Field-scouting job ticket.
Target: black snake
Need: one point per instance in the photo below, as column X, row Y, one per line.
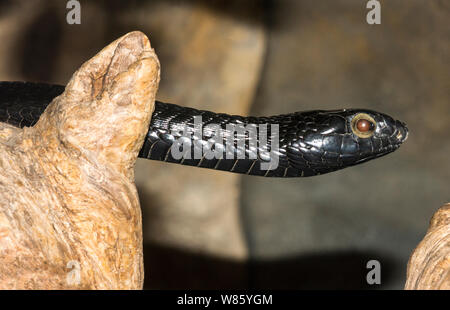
column 309, row 143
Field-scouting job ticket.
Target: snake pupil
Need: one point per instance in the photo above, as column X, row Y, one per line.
column 364, row 125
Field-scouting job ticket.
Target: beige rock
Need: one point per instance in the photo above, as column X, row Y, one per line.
column 429, row 265
column 69, row 208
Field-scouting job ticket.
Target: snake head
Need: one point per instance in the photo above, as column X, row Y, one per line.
column 343, row 138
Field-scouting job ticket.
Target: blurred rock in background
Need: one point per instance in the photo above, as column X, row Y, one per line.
column 323, row 55
column 207, row 229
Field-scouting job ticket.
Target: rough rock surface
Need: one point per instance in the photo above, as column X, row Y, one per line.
column 429, row 265
column 68, row 202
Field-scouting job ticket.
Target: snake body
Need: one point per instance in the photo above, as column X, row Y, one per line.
column 309, row 143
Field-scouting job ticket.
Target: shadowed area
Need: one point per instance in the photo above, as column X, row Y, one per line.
column 170, row 268
column 37, row 58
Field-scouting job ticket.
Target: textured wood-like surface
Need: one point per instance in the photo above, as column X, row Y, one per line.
column 67, row 190
column 429, row 265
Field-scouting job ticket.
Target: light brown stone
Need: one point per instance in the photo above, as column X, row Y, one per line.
column 429, row 265
column 67, row 193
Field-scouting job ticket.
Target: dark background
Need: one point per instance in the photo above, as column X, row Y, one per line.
column 269, row 57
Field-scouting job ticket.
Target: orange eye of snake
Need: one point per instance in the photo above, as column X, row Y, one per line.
column 364, row 125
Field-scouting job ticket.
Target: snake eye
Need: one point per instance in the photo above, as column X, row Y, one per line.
column 363, row 125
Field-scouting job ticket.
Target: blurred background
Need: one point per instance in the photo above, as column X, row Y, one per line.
column 205, row 229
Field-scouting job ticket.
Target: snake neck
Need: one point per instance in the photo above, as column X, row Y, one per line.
column 262, row 146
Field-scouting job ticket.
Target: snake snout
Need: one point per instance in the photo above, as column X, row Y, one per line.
column 402, row 131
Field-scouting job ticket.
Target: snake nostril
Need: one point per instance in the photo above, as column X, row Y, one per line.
column 402, row 133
